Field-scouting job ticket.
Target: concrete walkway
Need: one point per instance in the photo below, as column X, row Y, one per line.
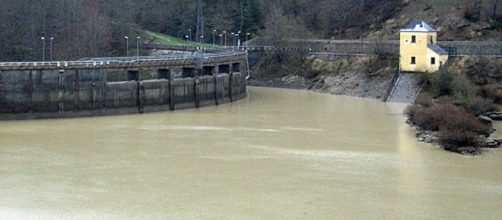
column 406, row 88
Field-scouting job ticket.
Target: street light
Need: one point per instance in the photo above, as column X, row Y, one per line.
column 43, row 48
column 127, row 45
column 201, row 41
column 52, row 40
column 186, row 37
column 190, row 34
column 233, row 38
column 137, row 45
column 225, row 36
column 221, row 39
column 214, row 37
column 238, row 39
column 247, row 38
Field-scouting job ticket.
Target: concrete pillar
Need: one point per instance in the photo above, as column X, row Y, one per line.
column 216, row 86
column 32, row 90
column 77, row 90
column 171, row 95
column 197, row 92
column 61, row 88
column 231, row 84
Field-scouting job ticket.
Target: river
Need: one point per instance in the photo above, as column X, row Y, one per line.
column 278, row 154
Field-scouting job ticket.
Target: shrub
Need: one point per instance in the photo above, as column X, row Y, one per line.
column 453, row 139
column 424, row 99
column 472, row 10
column 482, row 69
column 479, row 106
column 460, row 120
column 429, row 118
column 449, row 83
column 445, row 117
column 492, row 92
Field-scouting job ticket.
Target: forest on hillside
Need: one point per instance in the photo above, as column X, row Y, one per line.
column 79, row 28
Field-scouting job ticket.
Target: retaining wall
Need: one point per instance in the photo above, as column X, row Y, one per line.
column 70, row 92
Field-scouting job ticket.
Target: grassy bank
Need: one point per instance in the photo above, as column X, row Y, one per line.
column 170, row 40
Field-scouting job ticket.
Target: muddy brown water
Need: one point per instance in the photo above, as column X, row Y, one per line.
column 279, row 154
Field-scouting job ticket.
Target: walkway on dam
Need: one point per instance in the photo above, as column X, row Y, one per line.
column 406, row 88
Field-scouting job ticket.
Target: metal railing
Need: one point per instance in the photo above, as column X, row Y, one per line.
column 94, row 62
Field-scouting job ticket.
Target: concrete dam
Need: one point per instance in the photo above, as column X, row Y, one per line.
column 121, row 85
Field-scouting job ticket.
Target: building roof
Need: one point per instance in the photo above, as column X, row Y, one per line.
column 436, row 48
column 418, row 26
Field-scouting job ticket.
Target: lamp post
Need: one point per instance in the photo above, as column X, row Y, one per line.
column 127, row 45
column 221, row 39
column 137, row 45
column 225, row 36
column 201, row 42
column 52, row 40
column 233, row 38
column 214, row 37
column 247, row 38
column 190, row 34
column 43, row 48
column 238, row 41
column 186, row 37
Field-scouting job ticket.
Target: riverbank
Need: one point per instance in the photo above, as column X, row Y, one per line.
column 458, row 106
column 358, row 77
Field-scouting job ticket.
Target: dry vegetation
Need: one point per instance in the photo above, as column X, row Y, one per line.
column 452, row 101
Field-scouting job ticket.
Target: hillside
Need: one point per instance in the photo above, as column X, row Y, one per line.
column 447, row 16
column 97, row 28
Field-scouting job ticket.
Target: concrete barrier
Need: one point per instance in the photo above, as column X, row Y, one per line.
column 70, row 92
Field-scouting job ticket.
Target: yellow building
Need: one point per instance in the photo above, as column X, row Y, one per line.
column 419, row 51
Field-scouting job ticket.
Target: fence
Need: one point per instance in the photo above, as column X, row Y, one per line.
column 368, row 47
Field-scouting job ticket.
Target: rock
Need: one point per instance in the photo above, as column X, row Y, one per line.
column 495, row 116
column 468, row 151
column 462, row 24
column 492, row 143
column 485, row 119
column 426, row 136
column 390, row 21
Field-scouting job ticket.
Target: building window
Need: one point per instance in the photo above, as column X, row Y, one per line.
column 433, row 60
column 413, row 60
column 413, row 39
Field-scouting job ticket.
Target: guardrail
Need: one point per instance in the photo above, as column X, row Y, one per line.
column 368, row 47
column 111, row 62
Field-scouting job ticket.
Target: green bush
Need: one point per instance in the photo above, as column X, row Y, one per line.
column 449, row 83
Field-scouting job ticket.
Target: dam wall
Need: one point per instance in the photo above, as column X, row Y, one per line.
column 58, row 90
